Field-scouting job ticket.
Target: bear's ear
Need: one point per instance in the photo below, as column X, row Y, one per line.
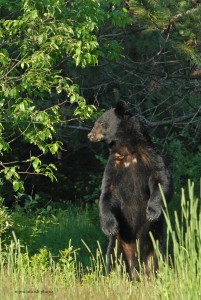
column 120, row 108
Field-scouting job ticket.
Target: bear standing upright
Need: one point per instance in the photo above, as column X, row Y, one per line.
column 131, row 202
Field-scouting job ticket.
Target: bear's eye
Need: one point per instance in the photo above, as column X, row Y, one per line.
column 104, row 125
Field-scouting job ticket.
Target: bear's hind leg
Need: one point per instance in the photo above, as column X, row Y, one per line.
column 131, row 258
column 124, row 255
column 113, row 254
column 151, row 263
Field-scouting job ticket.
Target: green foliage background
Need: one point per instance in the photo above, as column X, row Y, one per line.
column 64, row 62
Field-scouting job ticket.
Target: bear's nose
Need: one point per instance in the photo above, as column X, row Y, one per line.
column 90, row 136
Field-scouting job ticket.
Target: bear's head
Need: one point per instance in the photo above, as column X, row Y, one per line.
column 105, row 128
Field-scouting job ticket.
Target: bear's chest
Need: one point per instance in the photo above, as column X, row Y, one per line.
column 130, row 177
column 129, row 166
column 124, row 162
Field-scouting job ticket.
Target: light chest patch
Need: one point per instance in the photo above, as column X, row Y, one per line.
column 125, row 161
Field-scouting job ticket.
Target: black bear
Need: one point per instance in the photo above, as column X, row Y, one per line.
column 131, row 202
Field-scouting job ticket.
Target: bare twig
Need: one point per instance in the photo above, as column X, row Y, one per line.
column 173, row 121
column 79, row 127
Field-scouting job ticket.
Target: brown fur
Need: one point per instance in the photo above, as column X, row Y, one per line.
column 124, row 160
column 130, row 201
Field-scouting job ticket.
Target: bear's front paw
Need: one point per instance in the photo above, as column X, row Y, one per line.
column 109, row 225
column 153, row 212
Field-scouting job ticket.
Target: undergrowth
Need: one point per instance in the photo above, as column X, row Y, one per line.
column 67, row 275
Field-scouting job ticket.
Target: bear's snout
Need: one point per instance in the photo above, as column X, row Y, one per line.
column 94, row 136
column 91, row 136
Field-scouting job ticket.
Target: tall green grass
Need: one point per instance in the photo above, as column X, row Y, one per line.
column 75, row 224
column 39, row 276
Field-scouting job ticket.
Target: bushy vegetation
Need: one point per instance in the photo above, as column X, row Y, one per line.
column 69, row 264
column 61, row 64
column 60, row 61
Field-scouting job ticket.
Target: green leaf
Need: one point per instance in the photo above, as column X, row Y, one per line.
column 55, row 147
column 36, row 162
column 33, row 14
column 72, row 98
column 16, row 185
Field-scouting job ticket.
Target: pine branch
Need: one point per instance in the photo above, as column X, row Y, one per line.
column 133, row 65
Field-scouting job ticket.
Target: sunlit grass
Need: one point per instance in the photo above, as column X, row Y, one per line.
column 24, row 276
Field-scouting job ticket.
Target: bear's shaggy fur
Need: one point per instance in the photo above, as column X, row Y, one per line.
column 131, row 202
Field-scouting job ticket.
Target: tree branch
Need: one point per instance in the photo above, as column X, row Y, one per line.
column 155, row 124
column 173, row 121
column 79, row 127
